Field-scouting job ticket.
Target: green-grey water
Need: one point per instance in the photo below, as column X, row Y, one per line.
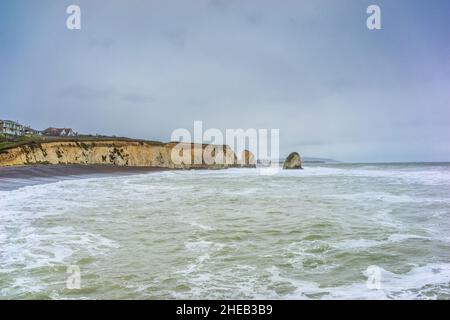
column 318, row 233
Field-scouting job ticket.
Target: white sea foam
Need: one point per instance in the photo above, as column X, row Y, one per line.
column 429, row 176
column 356, row 244
column 376, row 196
column 420, row 282
column 201, row 226
column 351, row 244
column 34, row 248
column 387, row 197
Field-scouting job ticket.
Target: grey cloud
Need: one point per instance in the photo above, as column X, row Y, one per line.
column 97, row 92
column 219, row 4
column 101, row 43
column 137, row 98
column 254, row 18
column 87, row 92
column 177, row 37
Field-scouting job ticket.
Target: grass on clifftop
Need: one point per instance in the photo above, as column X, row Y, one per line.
column 8, row 142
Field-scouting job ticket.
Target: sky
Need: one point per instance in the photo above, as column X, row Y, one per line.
column 310, row 68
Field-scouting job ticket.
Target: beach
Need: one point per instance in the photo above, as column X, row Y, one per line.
column 21, row 176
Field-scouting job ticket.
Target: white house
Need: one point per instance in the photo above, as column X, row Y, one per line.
column 11, row 128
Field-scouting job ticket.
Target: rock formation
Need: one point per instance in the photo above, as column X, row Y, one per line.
column 293, row 161
column 248, row 160
column 122, row 153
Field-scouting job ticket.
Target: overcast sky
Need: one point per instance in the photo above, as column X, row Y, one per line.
column 308, row 67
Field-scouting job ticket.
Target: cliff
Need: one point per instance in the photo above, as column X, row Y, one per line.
column 121, row 153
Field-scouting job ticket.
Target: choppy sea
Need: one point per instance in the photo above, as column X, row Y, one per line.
column 341, row 231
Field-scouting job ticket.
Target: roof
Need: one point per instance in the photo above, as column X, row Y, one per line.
column 10, row 121
column 56, row 131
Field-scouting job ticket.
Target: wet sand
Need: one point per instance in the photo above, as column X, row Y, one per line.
column 17, row 177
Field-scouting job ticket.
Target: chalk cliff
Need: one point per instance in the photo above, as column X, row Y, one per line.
column 120, row 153
column 248, row 159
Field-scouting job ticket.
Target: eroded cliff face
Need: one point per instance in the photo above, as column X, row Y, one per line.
column 248, row 159
column 120, row 153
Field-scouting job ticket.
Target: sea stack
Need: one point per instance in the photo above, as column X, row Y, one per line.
column 248, row 159
column 293, row 161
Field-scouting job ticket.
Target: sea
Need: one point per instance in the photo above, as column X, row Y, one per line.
column 330, row 231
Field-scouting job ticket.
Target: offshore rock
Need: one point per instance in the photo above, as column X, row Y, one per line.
column 293, row 161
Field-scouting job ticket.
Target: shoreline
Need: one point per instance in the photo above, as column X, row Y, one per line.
column 21, row 176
